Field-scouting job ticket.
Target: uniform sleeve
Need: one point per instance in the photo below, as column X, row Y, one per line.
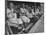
column 8, row 13
column 8, row 10
column 20, row 21
column 25, row 19
column 30, row 15
column 13, row 20
column 23, row 10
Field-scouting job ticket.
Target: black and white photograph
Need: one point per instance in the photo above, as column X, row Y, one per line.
column 23, row 17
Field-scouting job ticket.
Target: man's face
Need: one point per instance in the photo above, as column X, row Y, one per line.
column 11, row 5
column 23, row 5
